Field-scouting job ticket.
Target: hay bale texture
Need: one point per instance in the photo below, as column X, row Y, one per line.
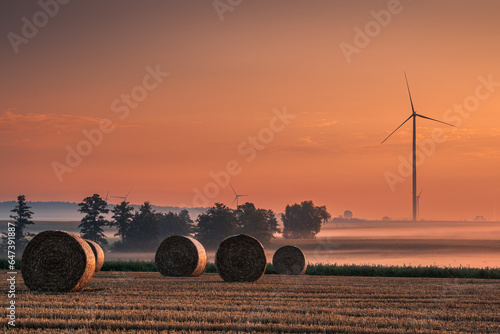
column 57, row 261
column 180, row 256
column 240, row 258
column 289, row 260
column 98, row 254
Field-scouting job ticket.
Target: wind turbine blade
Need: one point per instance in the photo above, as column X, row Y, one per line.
column 396, row 129
column 242, row 195
column 408, row 86
column 129, row 192
column 234, row 200
column 435, row 120
column 234, row 191
column 420, row 192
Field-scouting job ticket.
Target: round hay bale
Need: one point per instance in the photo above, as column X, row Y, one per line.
column 289, row 260
column 57, row 261
column 98, row 254
column 240, row 258
column 180, row 256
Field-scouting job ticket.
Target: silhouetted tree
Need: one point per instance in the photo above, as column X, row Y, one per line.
column 348, row 214
column 175, row 223
column 303, row 221
column 122, row 217
column 91, row 224
column 216, row 224
column 22, row 217
column 259, row 223
column 144, row 230
column 184, row 214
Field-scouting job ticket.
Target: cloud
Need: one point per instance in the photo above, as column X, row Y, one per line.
column 485, row 153
column 48, row 123
column 321, row 122
column 305, row 144
column 307, row 140
column 313, row 113
column 12, row 122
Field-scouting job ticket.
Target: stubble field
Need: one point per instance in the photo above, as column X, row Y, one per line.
column 149, row 303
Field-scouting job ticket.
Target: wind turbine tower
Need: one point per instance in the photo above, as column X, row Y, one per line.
column 414, row 115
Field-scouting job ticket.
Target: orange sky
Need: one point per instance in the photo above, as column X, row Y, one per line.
column 226, row 78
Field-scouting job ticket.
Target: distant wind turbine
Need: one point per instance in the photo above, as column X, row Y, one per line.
column 106, row 199
column 418, row 204
column 236, row 196
column 414, row 115
column 123, row 197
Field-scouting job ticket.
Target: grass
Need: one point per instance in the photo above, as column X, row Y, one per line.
column 327, row 270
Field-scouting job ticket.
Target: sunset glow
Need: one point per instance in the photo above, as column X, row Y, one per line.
column 168, row 100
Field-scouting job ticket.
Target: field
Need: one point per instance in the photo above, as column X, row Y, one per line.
column 147, row 302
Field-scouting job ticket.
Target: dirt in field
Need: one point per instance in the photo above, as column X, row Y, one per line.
column 116, row 302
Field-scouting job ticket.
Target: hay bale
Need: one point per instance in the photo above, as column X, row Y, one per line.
column 57, row 261
column 240, row 258
column 180, row 256
column 289, row 260
column 98, row 254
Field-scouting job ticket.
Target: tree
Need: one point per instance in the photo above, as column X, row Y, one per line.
column 91, row 224
column 348, row 214
column 303, row 221
column 259, row 223
column 144, row 230
column 216, row 224
column 175, row 223
column 184, row 214
column 22, row 217
column 122, row 217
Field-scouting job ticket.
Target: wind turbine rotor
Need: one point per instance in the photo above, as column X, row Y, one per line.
column 411, row 101
column 435, row 120
column 396, row 129
column 236, row 196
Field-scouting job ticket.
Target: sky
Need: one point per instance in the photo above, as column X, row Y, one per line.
column 287, row 100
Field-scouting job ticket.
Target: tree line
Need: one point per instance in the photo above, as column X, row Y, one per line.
column 145, row 228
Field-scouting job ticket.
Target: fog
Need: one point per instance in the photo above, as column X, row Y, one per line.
column 474, row 244
column 410, row 230
column 444, row 244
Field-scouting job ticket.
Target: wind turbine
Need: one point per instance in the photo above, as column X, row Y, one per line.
column 414, row 115
column 418, row 203
column 106, row 199
column 236, row 196
column 123, row 197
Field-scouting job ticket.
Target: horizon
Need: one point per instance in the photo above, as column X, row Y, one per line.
column 385, row 219
column 288, row 101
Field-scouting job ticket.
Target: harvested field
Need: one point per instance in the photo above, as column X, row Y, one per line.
column 149, row 302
